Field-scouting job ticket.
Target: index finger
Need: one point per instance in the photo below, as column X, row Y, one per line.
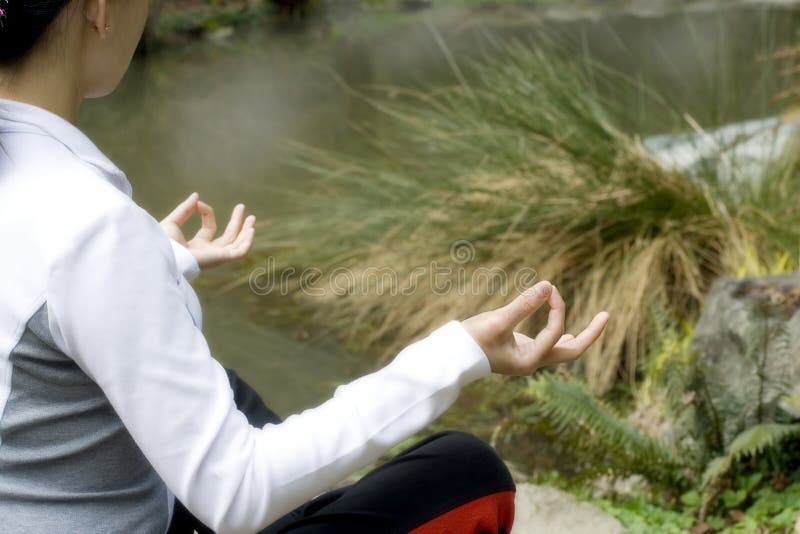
column 552, row 332
column 208, row 222
column 525, row 304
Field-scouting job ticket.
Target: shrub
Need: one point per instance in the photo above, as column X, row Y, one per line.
column 524, row 158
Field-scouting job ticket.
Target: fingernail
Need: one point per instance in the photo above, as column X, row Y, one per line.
column 543, row 289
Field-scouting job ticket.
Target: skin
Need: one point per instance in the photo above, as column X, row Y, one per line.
column 513, row 353
column 85, row 54
column 234, row 243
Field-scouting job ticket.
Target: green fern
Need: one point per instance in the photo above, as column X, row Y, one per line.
column 712, row 428
column 589, row 425
column 790, row 404
column 751, row 442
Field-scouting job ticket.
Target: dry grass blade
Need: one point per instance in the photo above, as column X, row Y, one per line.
column 527, row 164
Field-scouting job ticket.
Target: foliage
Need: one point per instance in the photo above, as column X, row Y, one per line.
column 173, row 21
column 751, row 442
column 750, row 506
column 726, row 480
column 775, row 510
column 770, row 509
column 755, row 265
column 527, row 161
column 748, row 418
column 586, row 423
column 661, row 404
column 639, row 516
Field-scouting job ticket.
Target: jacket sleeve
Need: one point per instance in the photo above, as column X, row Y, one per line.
column 186, row 262
column 116, row 309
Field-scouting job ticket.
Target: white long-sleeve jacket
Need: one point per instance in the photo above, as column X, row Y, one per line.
column 110, row 402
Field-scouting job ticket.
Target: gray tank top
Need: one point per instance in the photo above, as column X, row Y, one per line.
column 67, row 463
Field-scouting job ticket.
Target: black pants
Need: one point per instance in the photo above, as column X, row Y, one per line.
column 440, row 484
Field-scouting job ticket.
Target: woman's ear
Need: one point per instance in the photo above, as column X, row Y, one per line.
column 96, row 12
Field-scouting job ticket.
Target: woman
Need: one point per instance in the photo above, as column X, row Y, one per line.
column 114, row 417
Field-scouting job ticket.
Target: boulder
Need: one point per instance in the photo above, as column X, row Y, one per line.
column 748, row 346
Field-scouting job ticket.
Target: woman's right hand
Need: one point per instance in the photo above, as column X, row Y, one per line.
column 512, row 353
column 234, row 243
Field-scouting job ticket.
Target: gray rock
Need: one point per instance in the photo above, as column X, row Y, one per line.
column 738, row 150
column 748, row 343
column 545, row 510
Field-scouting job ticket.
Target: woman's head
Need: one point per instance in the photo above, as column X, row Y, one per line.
column 94, row 38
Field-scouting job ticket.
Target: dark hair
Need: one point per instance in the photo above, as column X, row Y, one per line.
column 23, row 24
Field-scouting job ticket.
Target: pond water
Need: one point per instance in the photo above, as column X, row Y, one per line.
column 212, row 116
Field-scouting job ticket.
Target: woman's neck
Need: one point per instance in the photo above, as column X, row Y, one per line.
column 43, row 83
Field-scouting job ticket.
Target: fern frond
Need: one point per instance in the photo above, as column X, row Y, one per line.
column 751, row 442
column 790, row 404
column 716, row 468
column 577, row 416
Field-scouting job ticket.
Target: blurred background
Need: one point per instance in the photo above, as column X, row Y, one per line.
column 641, row 154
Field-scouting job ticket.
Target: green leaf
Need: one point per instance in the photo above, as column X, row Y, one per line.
column 785, row 519
column 748, row 483
column 751, row 442
column 692, row 498
column 716, row 522
column 732, row 499
column 791, row 405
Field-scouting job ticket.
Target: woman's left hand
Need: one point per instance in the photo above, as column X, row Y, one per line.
column 234, row 243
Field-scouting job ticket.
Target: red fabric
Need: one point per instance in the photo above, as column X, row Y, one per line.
column 487, row 514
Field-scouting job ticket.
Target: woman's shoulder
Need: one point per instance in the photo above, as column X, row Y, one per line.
column 58, row 214
column 59, row 200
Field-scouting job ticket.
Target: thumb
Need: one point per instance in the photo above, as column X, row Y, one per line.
column 525, row 304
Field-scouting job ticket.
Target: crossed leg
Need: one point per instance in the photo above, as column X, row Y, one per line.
column 448, row 483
